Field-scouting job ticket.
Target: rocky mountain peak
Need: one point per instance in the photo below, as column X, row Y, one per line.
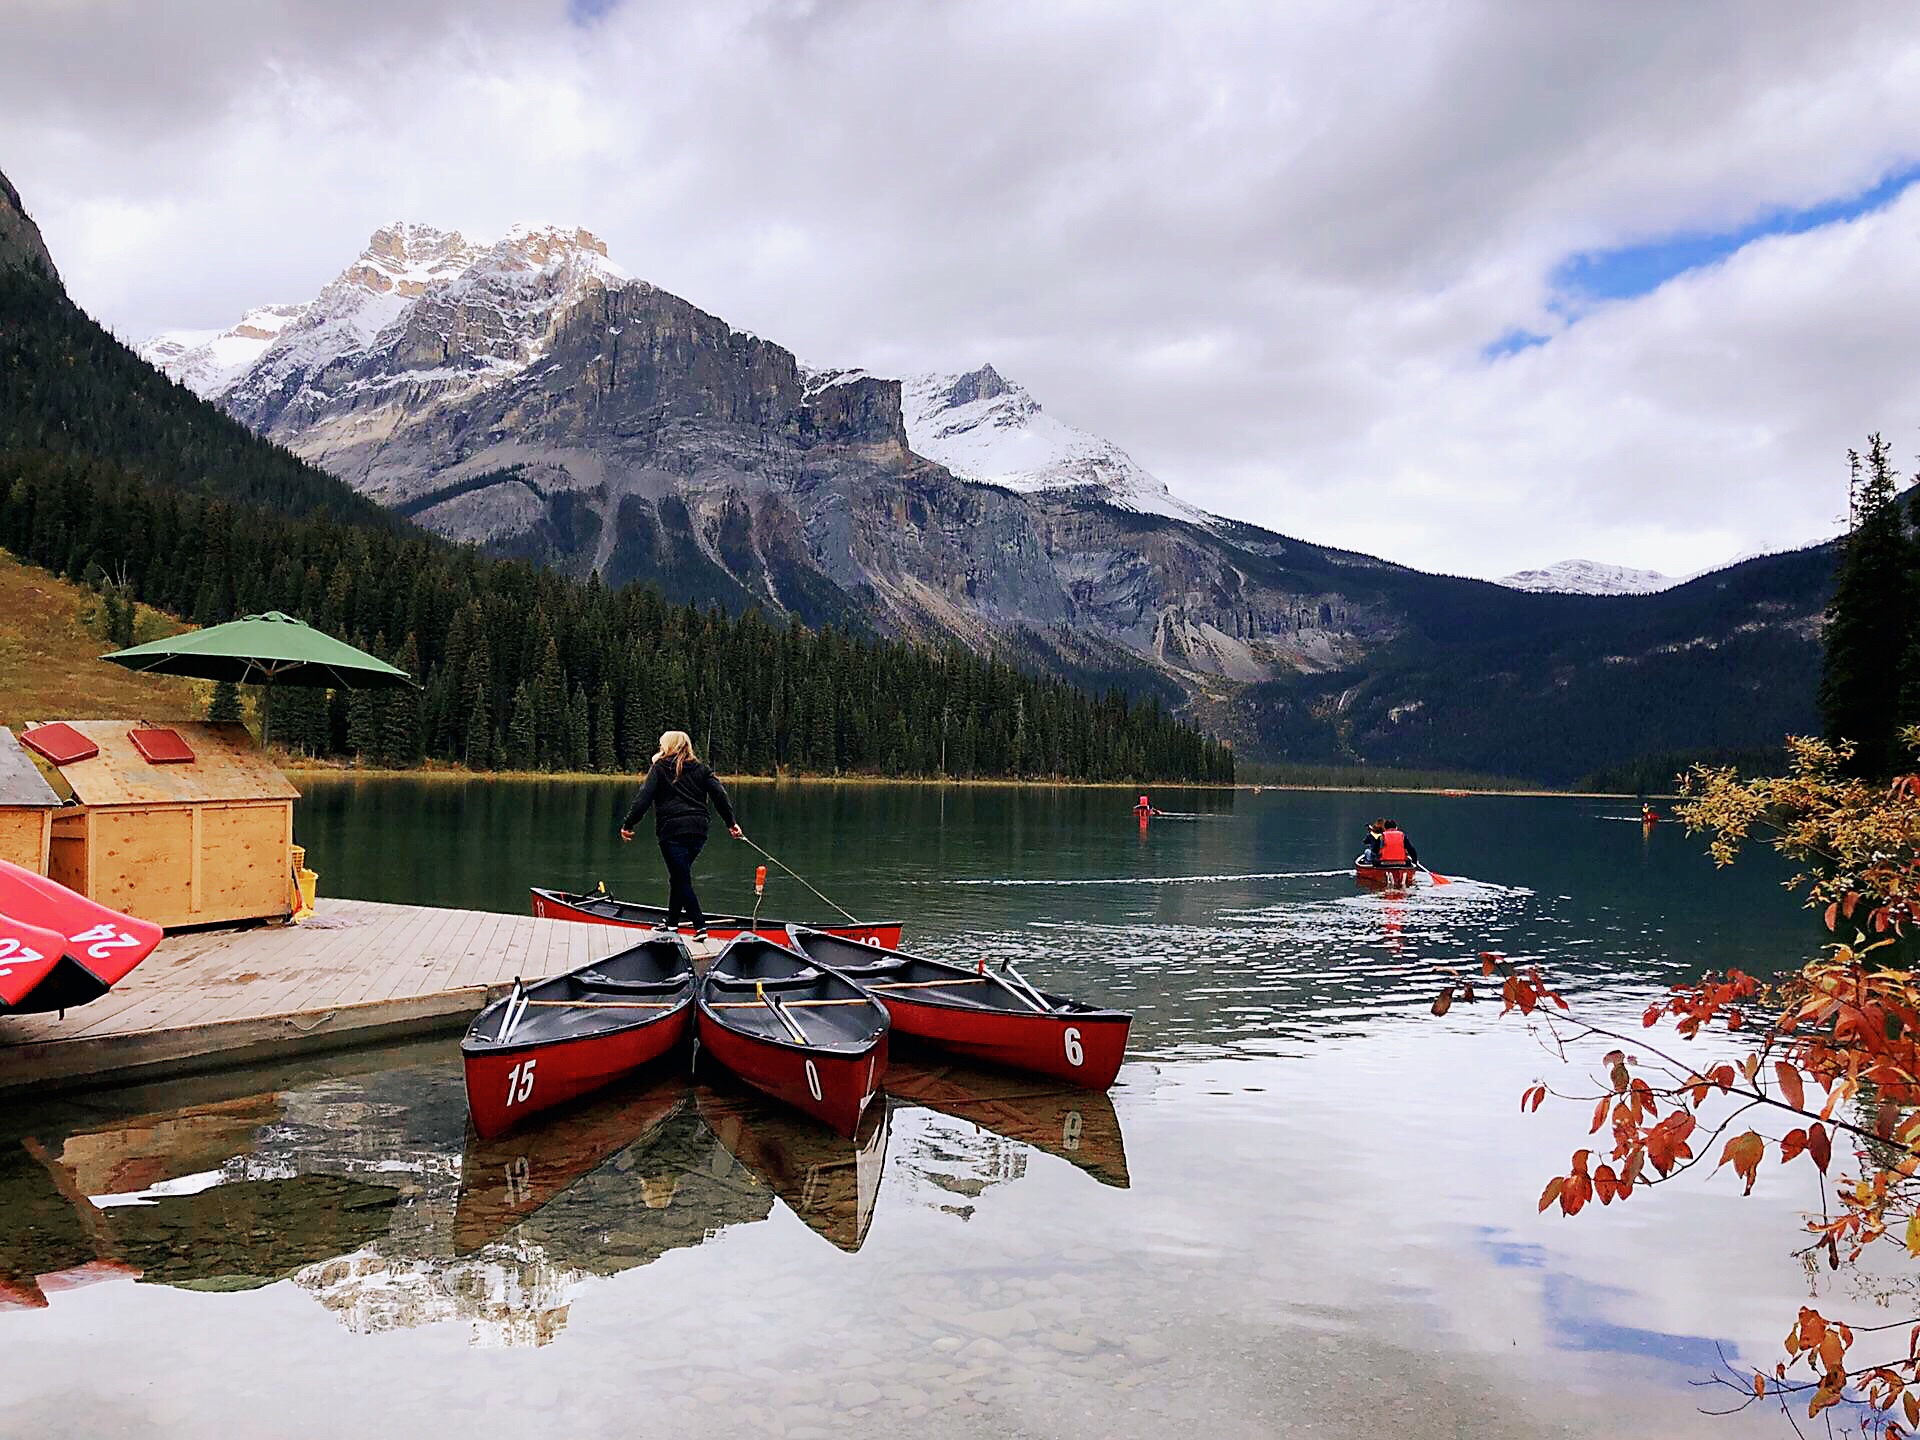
column 405, row 258
column 20, row 242
column 976, row 385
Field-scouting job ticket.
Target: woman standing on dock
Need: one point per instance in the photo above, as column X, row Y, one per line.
column 677, row 789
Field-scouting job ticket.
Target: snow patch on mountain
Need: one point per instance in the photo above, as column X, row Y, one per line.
column 985, row 428
column 209, row 362
column 1589, row 577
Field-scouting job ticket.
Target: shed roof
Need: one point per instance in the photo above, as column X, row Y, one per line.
column 20, row 780
column 227, row 765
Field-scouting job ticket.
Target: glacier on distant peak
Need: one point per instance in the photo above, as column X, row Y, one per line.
column 984, row 427
column 1590, row 577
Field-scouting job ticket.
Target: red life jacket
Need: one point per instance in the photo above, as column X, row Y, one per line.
column 1393, row 847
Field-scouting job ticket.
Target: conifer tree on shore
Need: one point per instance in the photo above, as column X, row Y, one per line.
column 1871, row 631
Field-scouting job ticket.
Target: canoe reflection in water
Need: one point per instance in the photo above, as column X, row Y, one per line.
column 363, row 1185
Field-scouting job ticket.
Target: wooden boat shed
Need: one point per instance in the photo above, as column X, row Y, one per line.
column 27, row 807
column 201, row 836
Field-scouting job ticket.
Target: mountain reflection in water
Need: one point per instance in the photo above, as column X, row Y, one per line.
column 363, row 1185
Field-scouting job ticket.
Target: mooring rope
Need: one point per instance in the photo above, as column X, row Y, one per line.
column 775, row 859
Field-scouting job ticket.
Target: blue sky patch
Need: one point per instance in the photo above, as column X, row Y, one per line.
column 1511, row 343
column 1630, row 270
column 586, row 12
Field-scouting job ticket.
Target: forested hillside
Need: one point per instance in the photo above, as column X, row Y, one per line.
column 107, row 468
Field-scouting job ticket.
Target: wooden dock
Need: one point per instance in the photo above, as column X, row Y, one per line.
column 357, row 971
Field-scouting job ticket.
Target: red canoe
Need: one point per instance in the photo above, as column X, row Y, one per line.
column 559, row 1039
column 601, row 908
column 980, row 1014
column 794, row 1031
column 94, row 947
column 1385, row 877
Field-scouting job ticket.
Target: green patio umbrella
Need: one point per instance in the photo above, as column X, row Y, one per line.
column 269, row 649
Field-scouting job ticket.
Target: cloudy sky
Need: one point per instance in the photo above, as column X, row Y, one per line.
column 1472, row 286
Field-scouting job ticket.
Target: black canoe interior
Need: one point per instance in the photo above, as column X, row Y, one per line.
column 608, row 908
column 67, row 984
column 656, row 972
column 968, row 989
column 749, row 969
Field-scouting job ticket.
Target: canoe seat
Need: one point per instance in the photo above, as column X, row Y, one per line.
column 594, row 980
column 799, row 980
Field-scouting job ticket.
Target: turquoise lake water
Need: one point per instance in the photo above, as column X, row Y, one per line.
column 1307, row 1206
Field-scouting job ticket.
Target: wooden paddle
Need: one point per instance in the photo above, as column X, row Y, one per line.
column 772, row 1002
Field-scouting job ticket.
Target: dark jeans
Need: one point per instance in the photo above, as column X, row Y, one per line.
column 679, row 851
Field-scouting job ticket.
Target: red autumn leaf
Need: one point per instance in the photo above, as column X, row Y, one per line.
column 1818, row 1145
column 1573, row 1198
column 1605, row 1184
column 1443, row 1002
column 1790, row 1088
column 1833, row 914
column 1599, row 1116
column 1552, row 1192
column 1791, row 1144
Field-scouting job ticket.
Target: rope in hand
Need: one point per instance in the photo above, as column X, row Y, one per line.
column 775, row 859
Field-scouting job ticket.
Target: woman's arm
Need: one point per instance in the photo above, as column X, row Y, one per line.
column 721, row 802
column 641, row 802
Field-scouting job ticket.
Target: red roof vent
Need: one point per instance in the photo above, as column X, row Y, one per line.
column 60, row 743
column 161, row 747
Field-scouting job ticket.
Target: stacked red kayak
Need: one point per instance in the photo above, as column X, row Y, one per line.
column 58, row 949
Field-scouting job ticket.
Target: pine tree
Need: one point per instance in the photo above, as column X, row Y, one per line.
column 224, row 708
column 478, row 751
column 522, row 737
column 1870, row 627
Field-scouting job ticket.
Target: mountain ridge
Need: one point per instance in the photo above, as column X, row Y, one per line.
column 528, row 396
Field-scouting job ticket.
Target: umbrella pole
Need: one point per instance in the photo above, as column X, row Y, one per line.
column 266, row 709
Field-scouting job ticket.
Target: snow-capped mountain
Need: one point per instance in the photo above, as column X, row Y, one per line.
column 983, row 427
column 1589, row 577
column 420, row 303
column 208, row 362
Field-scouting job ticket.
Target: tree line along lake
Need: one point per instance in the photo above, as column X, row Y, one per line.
column 1308, row 1205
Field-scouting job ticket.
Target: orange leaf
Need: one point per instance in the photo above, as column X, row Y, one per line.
column 1599, row 1116
column 1744, row 1153
column 1552, row 1192
column 1443, row 1001
column 1790, row 1087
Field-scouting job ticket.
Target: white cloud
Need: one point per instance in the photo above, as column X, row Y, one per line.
column 1262, row 247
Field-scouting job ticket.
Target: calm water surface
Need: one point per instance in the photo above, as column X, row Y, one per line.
column 1306, row 1208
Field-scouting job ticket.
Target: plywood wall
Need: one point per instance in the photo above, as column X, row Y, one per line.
column 23, row 837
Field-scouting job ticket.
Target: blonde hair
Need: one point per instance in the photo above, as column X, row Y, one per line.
column 677, row 746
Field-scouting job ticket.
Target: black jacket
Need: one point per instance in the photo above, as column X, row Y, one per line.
column 679, row 805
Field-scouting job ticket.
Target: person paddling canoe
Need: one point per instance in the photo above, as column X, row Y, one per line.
column 1395, row 848
column 1144, row 808
column 677, row 789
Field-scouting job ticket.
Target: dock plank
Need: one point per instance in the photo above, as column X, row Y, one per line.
column 359, row 971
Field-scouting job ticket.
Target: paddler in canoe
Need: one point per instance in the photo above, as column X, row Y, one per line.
column 1648, row 815
column 677, row 789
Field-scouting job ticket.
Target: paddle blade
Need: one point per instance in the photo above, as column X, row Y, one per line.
column 1438, row 878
